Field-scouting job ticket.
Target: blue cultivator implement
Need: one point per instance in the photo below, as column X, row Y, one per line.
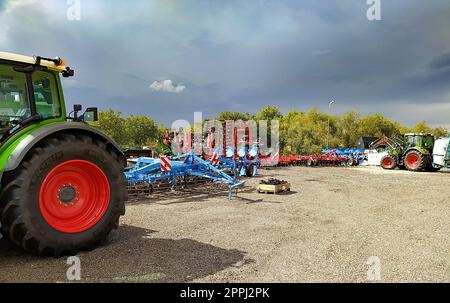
column 148, row 171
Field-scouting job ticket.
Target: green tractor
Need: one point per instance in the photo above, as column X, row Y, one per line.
column 62, row 183
column 412, row 151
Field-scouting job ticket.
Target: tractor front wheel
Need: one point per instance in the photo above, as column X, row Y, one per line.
column 66, row 196
column 388, row 162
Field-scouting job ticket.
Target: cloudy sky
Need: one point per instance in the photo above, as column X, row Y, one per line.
column 169, row 58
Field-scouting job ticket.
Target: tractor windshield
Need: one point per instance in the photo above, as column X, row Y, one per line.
column 14, row 101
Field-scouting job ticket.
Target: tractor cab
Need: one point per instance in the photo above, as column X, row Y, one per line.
column 29, row 91
column 425, row 141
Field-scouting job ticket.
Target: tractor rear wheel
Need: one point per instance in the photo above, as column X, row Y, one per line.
column 416, row 161
column 388, row 162
column 66, row 196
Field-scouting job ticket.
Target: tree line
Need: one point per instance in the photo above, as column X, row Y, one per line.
column 301, row 132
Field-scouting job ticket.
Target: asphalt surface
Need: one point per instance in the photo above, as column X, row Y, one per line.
column 336, row 225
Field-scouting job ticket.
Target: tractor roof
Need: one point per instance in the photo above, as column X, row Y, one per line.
column 34, row 60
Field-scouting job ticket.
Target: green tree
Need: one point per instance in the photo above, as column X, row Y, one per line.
column 349, row 128
column 377, row 125
column 269, row 113
column 422, row 127
column 112, row 124
column 440, row 132
column 141, row 131
column 234, row 116
column 307, row 133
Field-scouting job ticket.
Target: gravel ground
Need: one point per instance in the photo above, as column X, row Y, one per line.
column 325, row 230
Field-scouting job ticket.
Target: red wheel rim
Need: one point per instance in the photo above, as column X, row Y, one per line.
column 74, row 196
column 413, row 160
column 388, row 162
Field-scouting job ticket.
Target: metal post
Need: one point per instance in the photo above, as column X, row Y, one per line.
column 328, row 131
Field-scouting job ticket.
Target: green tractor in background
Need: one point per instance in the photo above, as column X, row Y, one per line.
column 411, row 151
column 62, row 183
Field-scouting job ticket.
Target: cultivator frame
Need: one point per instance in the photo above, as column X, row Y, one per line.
column 147, row 171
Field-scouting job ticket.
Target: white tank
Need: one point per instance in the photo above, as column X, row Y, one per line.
column 440, row 150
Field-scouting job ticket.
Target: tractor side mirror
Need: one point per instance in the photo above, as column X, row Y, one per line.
column 77, row 108
column 68, row 72
column 91, row 114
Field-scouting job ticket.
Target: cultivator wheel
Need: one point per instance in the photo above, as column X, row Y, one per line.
column 66, row 196
column 312, row 162
column 388, row 162
column 416, row 161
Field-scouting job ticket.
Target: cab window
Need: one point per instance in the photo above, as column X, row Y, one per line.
column 14, row 101
column 46, row 94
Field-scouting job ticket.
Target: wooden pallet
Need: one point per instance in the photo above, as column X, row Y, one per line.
column 273, row 189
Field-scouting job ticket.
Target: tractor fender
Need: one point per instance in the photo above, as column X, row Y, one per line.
column 22, row 149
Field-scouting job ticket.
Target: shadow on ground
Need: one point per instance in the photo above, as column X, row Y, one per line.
column 131, row 254
column 263, row 198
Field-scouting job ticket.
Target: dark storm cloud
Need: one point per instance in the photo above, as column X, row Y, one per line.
column 440, row 62
column 241, row 55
